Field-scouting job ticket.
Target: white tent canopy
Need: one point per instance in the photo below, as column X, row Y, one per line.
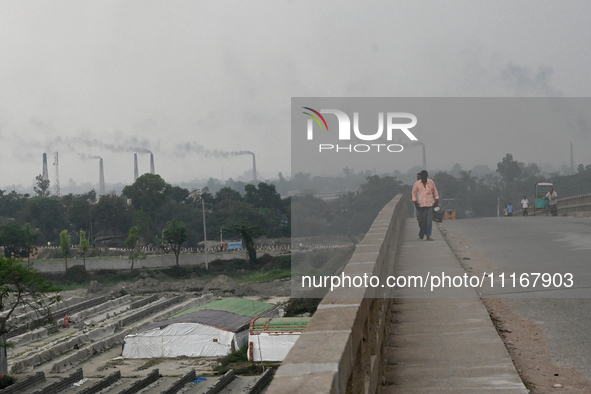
column 214, row 329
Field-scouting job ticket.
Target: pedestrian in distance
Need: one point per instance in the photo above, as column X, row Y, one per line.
column 524, row 205
column 505, row 210
column 510, row 209
column 425, row 198
column 418, row 179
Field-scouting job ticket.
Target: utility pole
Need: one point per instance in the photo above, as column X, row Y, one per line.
column 57, row 174
column 198, row 193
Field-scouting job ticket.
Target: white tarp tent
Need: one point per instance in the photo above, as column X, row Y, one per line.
column 271, row 346
column 183, row 339
column 271, row 339
column 205, row 332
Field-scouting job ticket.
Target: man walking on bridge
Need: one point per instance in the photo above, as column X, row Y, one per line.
column 524, row 205
column 427, row 199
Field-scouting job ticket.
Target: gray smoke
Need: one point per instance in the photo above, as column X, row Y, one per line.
column 85, row 156
column 132, row 145
column 526, row 82
column 182, row 150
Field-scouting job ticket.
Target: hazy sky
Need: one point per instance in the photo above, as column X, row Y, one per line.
column 110, row 78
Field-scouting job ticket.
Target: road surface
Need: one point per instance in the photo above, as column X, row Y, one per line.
column 544, row 245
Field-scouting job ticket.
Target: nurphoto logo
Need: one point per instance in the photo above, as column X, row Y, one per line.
column 393, row 125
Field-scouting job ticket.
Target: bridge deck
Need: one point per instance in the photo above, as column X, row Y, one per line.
column 442, row 344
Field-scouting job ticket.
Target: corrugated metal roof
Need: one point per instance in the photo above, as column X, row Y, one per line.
column 239, row 306
column 280, row 324
column 220, row 319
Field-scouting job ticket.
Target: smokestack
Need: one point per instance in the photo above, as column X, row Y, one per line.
column 572, row 158
column 57, row 174
column 135, row 170
column 101, row 178
column 424, row 158
column 45, row 174
column 152, row 163
column 254, row 168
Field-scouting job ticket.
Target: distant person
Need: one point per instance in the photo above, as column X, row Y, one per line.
column 505, row 210
column 552, row 198
column 67, row 321
column 510, row 209
column 425, row 197
column 418, row 179
column 524, row 205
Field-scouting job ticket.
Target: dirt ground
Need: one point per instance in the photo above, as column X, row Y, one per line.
column 221, row 285
column 524, row 339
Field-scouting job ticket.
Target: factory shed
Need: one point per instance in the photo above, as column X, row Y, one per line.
column 270, row 339
column 214, row 329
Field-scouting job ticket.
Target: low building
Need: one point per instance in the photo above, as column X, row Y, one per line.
column 270, row 339
column 210, row 330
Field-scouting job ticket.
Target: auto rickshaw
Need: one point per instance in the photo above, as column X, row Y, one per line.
column 541, row 203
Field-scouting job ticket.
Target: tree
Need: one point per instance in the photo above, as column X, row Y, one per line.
column 83, row 246
column 509, row 169
column 148, row 193
column 46, row 214
column 248, row 233
column 19, row 284
column 65, row 246
column 15, row 240
column 112, row 214
column 30, row 239
column 132, row 243
column 42, row 188
column 173, row 236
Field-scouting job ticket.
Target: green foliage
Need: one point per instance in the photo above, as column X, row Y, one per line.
column 248, row 233
column 174, row 236
column 299, row 306
column 148, row 193
column 6, row 381
column 77, row 274
column 65, row 246
column 47, row 215
column 112, row 214
column 266, row 268
column 42, row 188
column 17, row 241
column 351, row 213
column 239, row 356
column 20, row 284
column 83, row 246
column 132, row 243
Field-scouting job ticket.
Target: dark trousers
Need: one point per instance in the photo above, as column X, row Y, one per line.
column 425, row 219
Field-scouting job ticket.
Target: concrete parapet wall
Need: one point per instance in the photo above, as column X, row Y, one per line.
column 341, row 349
column 157, row 261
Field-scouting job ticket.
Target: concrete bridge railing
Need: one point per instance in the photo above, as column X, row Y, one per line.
column 574, row 204
column 341, row 350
